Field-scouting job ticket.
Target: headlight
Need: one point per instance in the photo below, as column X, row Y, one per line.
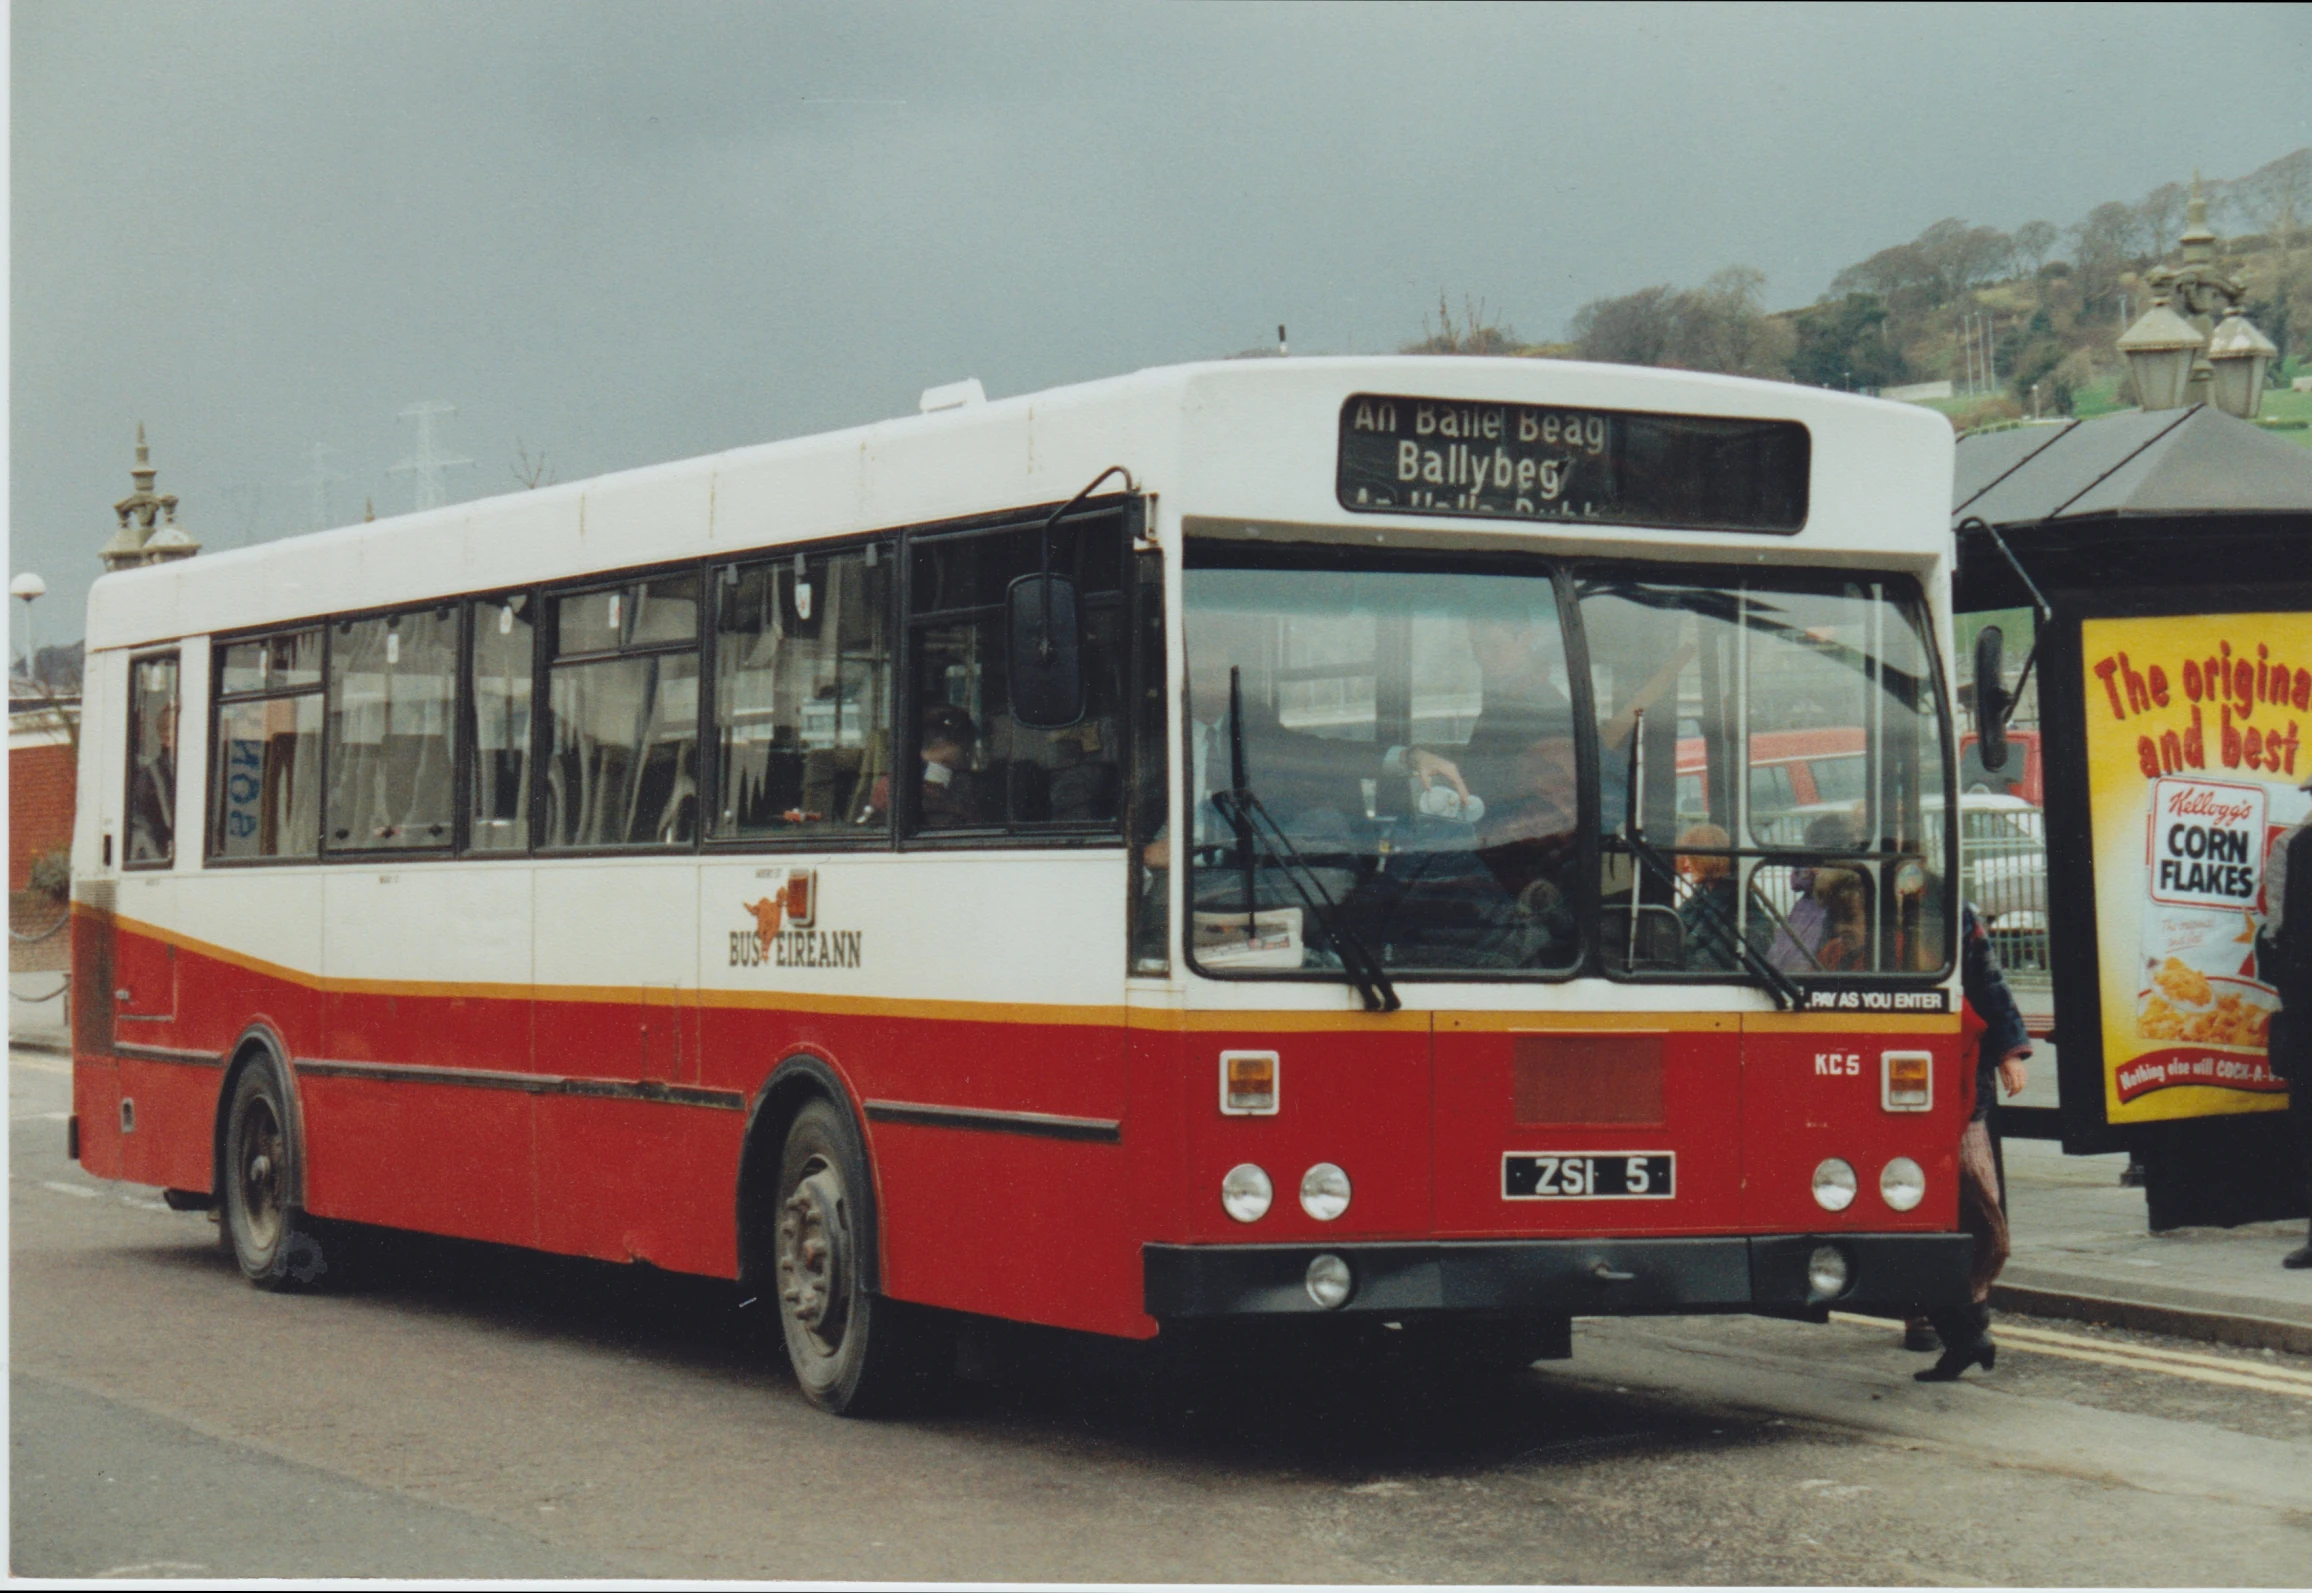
column 1324, row 1191
column 1834, row 1185
column 1827, row 1272
column 1902, row 1184
column 1246, row 1192
column 1329, row 1282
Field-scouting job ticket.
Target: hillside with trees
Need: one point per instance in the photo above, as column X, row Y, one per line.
column 2019, row 322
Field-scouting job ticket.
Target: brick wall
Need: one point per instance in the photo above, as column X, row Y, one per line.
column 40, row 788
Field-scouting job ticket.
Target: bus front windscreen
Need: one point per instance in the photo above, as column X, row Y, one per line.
column 1434, row 772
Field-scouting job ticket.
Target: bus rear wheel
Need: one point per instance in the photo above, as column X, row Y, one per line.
column 855, row 1352
column 271, row 1238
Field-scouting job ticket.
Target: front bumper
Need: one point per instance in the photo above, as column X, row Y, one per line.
column 1888, row 1274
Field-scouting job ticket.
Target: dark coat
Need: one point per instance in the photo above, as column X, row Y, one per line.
column 2289, row 969
column 1985, row 986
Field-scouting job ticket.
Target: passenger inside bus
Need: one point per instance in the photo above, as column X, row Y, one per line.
column 1828, row 925
column 1707, row 900
column 950, row 798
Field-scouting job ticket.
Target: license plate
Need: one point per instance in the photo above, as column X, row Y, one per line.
column 1590, row 1175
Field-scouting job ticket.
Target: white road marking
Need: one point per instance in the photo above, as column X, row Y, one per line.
column 2286, row 1374
column 142, row 1204
column 155, row 1568
column 1826, row 1488
column 39, row 1117
column 2136, row 1357
column 69, row 1189
column 2197, row 1374
column 38, row 1064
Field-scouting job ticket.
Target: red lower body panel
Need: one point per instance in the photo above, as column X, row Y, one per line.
column 1021, row 1165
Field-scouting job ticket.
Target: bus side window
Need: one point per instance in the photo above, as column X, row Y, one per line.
column 973, row 767
column 265, row 765
column 802, row 695
column 504, row 667
column 392, row 756
column 152, row 762
column 623, row 711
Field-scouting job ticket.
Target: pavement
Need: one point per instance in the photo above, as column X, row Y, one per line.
column 2082, row 1247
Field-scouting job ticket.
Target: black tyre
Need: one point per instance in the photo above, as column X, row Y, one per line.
column 855, row 1352
column 276, row 1244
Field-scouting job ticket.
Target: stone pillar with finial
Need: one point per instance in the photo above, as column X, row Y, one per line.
column 148, row 532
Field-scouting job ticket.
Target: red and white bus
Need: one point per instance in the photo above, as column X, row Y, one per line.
column 1203, row 845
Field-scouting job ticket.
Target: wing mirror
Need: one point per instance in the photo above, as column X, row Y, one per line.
column 1992, row 699
column 1046, row 653
column 1044, row 632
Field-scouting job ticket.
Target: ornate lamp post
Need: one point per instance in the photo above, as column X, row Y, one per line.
column 2161, row 349
column 2176, row 353
column 2240, row 355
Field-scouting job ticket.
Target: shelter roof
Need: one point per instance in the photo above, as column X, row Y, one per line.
column 2166, row 464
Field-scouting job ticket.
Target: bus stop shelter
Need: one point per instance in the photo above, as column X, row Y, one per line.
column 2171, row 550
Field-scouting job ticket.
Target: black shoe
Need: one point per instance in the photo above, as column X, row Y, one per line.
column 1958, row 1359
column 2299, row 1258
column 1920, row 1335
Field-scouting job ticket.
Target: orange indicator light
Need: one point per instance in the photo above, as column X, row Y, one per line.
column 1248, row 1083
column 1907, row 1081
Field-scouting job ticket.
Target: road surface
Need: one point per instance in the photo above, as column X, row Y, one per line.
column 467, row 1411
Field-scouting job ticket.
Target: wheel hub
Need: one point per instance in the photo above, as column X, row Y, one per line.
column 260, row 1177
column 812, row 1262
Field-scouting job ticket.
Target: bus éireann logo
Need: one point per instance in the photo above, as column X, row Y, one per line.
column 786, row 932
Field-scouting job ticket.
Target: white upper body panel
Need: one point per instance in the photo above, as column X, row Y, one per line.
column 1250, row 439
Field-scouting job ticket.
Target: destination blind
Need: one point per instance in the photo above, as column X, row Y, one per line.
column 1401, row 455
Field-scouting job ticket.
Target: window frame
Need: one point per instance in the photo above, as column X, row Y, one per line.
column 896, row 541
column 1566, row 575
column 1131, row 512
column 212, row 854
column 1226, row 553
column 894, row 544
column 469, row 722
column 455, row 845
column 129, row 769
column 546, row 637
column 1902, row 589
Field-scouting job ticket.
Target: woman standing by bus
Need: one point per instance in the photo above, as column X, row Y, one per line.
column 2001, row 1051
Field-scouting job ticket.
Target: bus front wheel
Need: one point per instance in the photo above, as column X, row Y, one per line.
column 272, row 1239
column 855, row 1352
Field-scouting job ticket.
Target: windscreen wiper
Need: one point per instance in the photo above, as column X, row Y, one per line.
column 1786, row 995
column 1255, row 824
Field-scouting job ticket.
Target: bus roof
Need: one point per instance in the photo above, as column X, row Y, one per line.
column 1253, row 440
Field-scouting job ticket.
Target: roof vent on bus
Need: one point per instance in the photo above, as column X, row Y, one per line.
column 954, row 395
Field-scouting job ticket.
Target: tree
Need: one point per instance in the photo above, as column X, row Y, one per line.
column 1635, row 329
column 2034, row 242
column 1722, row 326
column 1843, row 342
column 1958, row 256
column 1885, row 274
column 2105, row 244
column 531, row 470
column 2031, row 354
column 1477, row 333
column 2277, row 199
column 2160, row 217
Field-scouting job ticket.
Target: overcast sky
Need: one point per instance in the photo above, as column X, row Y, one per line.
column 627, row 233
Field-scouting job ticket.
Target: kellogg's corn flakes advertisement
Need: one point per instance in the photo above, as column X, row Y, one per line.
column 2195, row 752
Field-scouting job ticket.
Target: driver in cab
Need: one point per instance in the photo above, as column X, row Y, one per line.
column 1289, row 769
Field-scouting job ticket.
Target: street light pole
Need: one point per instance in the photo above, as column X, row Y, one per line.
column 29, row 587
